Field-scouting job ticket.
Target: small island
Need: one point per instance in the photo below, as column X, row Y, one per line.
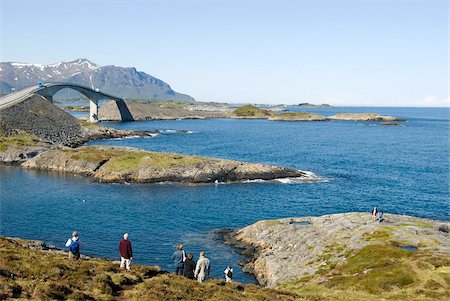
column 251, row 112
column 364, row 117
column 124, row 164
column 298, row 116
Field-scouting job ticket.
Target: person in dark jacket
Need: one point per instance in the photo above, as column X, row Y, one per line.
column 126, row 252
column 178, row 258
column 189, row 266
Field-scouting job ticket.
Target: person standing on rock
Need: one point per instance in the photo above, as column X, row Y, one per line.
column 189, row 266
column 374, row 214
column 228, row 274
column 178, row 258
column 73, row 244
column 126, row 252
column 203, row 267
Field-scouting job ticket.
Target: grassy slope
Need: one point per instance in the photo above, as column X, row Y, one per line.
column 20, row 140
column 120, row 159
column 40, row 275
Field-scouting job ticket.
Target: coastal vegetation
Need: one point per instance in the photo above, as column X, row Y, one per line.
column 49, row 275
column 250, row 112
column 20, row 140
column 380, row 270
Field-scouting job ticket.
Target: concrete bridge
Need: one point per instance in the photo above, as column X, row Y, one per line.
column 49, row 89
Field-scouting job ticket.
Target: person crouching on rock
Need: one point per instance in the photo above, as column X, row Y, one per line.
column 380, row 216
column 73, row 244
column 202, row 268
column 126, row 252
column 189, row 266
column 178, row 258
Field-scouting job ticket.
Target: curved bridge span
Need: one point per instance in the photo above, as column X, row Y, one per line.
column 49, row 89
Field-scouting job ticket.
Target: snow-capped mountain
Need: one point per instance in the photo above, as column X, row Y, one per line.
column 123, row 82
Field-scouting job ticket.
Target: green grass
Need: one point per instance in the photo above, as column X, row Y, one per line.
column 30, row 274
column 299, row 115
column 251, row 111
column 379, row 235
column 380, row 271
column 165, row 288
column 130, row 160
column 417, row 223
column 21, row 140
column 139, row 159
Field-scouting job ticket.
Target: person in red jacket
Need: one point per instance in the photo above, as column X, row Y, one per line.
column 126, row 252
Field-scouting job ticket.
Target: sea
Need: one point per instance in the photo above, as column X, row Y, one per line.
column 401, row 169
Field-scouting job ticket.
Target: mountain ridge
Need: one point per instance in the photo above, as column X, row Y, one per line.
column 125, row 82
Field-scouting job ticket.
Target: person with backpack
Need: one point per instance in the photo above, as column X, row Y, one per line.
column 228, row 274
column 203, row 268
column 189, row 266
column 178, row 258
column 74, row 246
column 126, row 252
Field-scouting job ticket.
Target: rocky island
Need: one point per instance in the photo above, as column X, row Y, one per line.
column 298, row 116
column 124, row 164
column 364, row 117
column 334, row 256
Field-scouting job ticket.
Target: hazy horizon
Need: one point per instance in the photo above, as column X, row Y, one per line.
column 343, row 53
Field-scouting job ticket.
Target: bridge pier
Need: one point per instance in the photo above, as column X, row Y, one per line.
column 93, row 111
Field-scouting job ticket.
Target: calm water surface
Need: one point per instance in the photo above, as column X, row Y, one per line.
column 403, row 170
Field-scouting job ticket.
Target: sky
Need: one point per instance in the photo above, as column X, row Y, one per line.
column 340, row 52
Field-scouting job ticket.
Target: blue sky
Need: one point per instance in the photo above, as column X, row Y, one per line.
column 361, row 52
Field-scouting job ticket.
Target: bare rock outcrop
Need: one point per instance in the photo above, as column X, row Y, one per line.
column 285, row 250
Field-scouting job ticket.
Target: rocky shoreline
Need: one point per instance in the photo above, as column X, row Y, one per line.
column 283, row 251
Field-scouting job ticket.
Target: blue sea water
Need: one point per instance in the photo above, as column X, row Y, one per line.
column 403, row 170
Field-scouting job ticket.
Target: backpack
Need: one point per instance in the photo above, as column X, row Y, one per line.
column 229, row 274
column 74, row 247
